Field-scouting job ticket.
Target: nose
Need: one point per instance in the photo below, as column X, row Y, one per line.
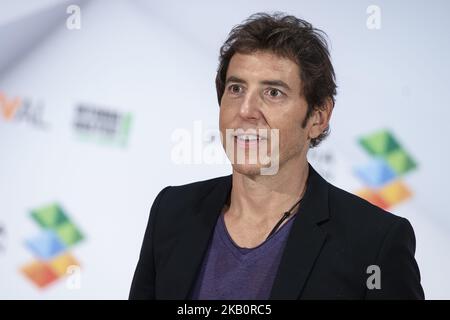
column 250, row 108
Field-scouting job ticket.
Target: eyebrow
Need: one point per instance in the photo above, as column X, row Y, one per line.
column 234, row 79
column 275, row 83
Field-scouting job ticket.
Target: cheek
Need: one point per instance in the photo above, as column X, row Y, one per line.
column 290, row 124
column 291, row 133
column 223, row 118
column 226, row 113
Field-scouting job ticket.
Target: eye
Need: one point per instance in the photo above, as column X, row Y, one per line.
column 274, row 93
column 235, row 89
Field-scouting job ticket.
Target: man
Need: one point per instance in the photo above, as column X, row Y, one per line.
column 283, row 233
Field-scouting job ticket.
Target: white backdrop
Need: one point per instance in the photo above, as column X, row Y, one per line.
column 145, row 69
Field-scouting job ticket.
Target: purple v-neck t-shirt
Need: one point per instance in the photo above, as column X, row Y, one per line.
column 230, row 272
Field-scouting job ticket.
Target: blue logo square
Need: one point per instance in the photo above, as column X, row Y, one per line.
column 46, row 245
column 376, row 173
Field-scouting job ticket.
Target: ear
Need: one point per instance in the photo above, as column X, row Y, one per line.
column 320, row 119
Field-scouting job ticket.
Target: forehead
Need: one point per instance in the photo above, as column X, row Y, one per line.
column 263, row 65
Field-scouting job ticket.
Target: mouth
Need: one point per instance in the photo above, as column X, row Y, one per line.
column 248, row 140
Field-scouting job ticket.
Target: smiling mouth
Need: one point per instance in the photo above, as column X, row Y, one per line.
column 245, row 140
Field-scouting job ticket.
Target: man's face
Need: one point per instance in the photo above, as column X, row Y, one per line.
column 263, row 91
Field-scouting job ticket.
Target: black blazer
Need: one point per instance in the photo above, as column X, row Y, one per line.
column 334, row 239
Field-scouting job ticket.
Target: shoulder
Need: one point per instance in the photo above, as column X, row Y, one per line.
column 352, row 207
column 176, row 201
column 362, row 221
column 193, row 192
column 369, row 236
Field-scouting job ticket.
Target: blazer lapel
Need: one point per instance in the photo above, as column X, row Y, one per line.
column 180, row 274
column 304, row 242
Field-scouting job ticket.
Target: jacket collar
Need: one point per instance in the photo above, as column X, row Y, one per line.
column 302, row 248
column 304, row 242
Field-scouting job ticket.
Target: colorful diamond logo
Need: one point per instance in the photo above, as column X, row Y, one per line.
column 381, row 175
column 50, row 246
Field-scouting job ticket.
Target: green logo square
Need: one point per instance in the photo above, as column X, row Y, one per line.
column 380, row 143
column 49, row 217
column 69, row 233
column 400, row 161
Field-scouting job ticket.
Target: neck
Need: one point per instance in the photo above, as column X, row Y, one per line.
column 263, row 198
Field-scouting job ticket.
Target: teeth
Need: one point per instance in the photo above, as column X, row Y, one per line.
column 250, row 137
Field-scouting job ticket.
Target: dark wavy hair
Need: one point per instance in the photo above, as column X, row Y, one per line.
column 291, row 37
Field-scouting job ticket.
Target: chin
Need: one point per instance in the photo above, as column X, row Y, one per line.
column 248, row 169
